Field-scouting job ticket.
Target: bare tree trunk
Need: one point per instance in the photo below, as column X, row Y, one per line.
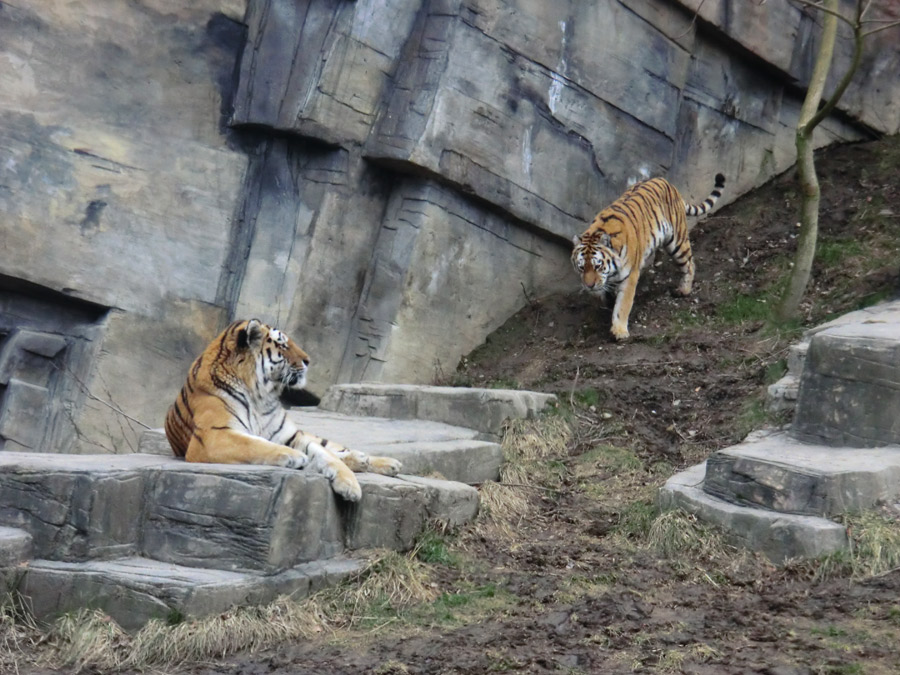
column 806, row 170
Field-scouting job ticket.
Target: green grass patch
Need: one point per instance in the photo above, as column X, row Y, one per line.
column 612, row 458
column 833, row 252
column 636, row 519
column 743, row 308
column 433, row 548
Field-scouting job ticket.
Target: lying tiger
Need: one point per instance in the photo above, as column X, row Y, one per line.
column 229, row 411
column 622, row 238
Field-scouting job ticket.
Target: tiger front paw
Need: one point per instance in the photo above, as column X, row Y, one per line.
column 346, row 486
column 296, row 460
column 619, row 332
column 386, row 466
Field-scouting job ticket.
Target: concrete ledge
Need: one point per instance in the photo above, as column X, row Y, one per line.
column 779, row 536
column 135, row 590
column 484, row 410
column 780, row 473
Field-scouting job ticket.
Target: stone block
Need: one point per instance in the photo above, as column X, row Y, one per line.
column 850, row 388
column 75, row 507
column 424, row 447
column 15, row 547
column 343, row 55
column 779, row 473
column 239, row 518
column 135, row 590
column 779, row 536
column 23, row 413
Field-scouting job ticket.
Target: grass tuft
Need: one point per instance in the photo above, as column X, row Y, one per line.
column 678, row 534
column 874, row 549
column 19, row 634
column 532, row 453
column 88, row 638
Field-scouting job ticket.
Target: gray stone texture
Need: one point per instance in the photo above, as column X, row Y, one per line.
column 485, row 410
column 780, row 536
column 234, row 518
column 15, row 547
column 779, row 473
column 135, row 590
column 850, row 386
column 387, row 180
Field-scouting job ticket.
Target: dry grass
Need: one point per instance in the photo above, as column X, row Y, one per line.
column 532, row 449
column 874, row 550
column 91, row 640
column 393, row 580
column 18, row 634
column 528, row 444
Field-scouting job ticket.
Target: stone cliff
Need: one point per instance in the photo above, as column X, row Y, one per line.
column 386, row 180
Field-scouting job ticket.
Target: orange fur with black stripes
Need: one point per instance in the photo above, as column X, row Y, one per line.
column 622, row 238
column 229, row 410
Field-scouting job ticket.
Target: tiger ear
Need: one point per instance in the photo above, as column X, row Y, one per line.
column 576, row 240
column 605, row 240
column 251, row 335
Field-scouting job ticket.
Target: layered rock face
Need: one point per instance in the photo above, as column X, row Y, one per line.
column 386, row 180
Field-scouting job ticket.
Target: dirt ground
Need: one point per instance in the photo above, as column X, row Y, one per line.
column 574, row 590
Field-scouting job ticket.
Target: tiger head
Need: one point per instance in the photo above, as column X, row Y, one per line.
column 595, row 261
column 275, row 360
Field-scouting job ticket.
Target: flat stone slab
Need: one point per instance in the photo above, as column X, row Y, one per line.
column 485, row 410
column 135, row 590
column 425, row 447
column 237, row 518
column 778, row 472
column 15, row 547
column 779, row 536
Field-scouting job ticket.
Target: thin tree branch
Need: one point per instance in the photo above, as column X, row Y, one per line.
column 892, row 24
column 93, row 397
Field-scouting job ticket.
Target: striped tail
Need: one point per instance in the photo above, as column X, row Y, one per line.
column 709, row 202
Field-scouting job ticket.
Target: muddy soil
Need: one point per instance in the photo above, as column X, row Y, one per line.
column 690, row 380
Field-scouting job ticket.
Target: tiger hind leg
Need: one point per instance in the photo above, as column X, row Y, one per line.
column 357, row 461
column 681, row 253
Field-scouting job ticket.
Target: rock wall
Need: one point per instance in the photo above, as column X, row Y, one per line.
column 387, row 180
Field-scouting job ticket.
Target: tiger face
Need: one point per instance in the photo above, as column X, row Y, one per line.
column 596, row 263
column 278, row 362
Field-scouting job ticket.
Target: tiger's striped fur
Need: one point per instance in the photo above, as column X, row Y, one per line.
column 622, row 238
column 229, row 410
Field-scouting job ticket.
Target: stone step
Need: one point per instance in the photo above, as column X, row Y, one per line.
column 485, row 410
column 778, row 472
column 779, row 536
column 135, row 590
column 424, row 447
column 237, row 518
column 783, row 394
